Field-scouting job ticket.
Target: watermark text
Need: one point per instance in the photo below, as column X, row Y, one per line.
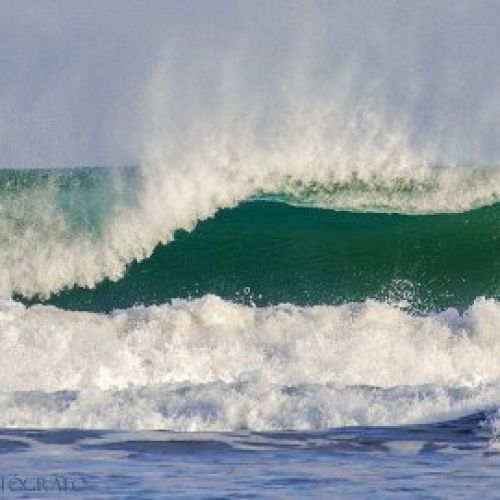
column 40, row 484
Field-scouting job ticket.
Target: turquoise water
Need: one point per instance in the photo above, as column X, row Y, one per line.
column 266, row 253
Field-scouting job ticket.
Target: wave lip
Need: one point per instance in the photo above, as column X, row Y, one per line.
column 439, row 189
column 212, row 365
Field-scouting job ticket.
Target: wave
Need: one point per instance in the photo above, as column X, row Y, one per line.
column 212, row 365
column 265, row 253
column 285, row 106
column 62, row 228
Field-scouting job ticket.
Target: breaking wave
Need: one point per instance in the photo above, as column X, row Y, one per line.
column 77, row 227
column 209, row 364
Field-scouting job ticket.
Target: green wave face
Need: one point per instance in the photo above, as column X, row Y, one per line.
column 266, row 252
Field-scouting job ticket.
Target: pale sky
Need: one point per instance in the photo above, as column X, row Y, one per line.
column 75, row 76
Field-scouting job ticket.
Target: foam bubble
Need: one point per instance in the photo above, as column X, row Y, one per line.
column 209, row 364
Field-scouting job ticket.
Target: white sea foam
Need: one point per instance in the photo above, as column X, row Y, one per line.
column 209, row 364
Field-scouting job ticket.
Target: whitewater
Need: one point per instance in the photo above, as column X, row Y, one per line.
column 267, row 234
column 211, row 365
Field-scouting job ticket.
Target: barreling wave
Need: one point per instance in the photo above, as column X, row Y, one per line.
column 264, row 252
column 62, row 228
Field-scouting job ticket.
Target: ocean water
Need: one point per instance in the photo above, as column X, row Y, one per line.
column 424, row 461
column 284, row 337
column 278, row 275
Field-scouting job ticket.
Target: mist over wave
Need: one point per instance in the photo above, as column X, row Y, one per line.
column 290, row 99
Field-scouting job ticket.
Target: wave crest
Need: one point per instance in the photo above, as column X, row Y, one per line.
column 65, row 228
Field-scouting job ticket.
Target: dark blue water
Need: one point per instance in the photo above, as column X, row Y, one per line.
column 441, row 460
